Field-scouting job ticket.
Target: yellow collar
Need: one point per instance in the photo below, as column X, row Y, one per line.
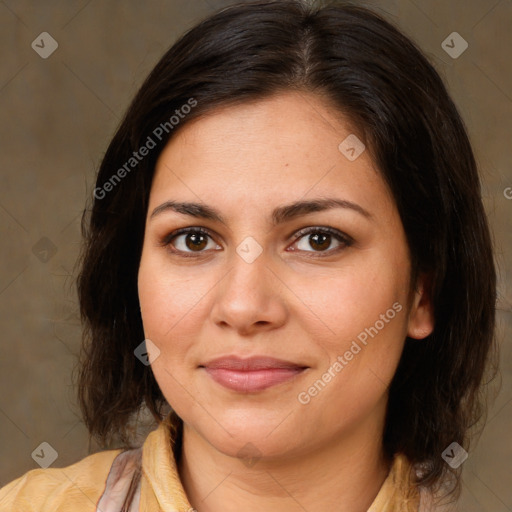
column 162, row 487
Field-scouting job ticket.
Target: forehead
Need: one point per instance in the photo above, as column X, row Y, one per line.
column 287, row 145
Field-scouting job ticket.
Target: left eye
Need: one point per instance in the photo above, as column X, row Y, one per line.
column 194, row 240
column 321, row 238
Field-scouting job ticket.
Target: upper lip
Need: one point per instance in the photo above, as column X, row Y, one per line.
column 250, row 363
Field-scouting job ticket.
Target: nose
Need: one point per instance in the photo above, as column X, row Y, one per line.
column 250, row 298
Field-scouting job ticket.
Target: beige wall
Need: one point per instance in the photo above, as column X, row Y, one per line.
column 57, row 115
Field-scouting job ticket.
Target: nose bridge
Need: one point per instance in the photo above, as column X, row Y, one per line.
column 249, row 273
column 248, row 294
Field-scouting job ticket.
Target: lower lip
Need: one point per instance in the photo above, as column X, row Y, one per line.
column 254, row 380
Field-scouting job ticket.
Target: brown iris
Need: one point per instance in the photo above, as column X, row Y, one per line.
column 313, row 240
column 197, row 241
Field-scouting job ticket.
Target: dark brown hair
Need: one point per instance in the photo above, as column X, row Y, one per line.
column 378, row 79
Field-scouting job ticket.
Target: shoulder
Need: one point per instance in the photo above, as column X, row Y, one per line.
column 75, row 487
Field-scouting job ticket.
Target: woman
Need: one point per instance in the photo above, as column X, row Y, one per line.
column 288, row 263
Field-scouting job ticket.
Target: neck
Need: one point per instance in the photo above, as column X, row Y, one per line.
column 349, row 469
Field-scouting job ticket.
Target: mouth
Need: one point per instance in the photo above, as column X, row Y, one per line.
column 253, row 374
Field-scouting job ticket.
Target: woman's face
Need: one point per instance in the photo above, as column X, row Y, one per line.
column 266, row 280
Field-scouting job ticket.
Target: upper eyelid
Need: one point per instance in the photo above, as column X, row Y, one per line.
column 326, row 229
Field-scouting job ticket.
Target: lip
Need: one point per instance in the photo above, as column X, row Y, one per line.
column 251, row 374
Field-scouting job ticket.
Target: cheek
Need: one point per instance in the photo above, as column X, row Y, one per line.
column 166, row 308
column 355, row 298
column 169, row 307
column 169, row 299
column 365, row 310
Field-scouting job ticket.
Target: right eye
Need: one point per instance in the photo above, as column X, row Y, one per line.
column 189, row 241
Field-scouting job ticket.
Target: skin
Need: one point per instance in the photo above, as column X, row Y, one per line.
column 305, row 305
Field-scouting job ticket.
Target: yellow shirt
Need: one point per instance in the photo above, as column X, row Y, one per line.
column 156, row 487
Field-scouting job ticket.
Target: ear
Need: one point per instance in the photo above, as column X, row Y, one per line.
column 421, row 314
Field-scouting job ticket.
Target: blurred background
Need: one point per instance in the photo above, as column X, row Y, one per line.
column 69, row 69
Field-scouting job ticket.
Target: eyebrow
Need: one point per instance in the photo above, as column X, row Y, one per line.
column 279, row 215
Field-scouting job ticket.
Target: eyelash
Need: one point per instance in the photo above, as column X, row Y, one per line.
column 345, row 240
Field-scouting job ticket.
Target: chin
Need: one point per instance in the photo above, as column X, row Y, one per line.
column 249, row 449
column 251, row 436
